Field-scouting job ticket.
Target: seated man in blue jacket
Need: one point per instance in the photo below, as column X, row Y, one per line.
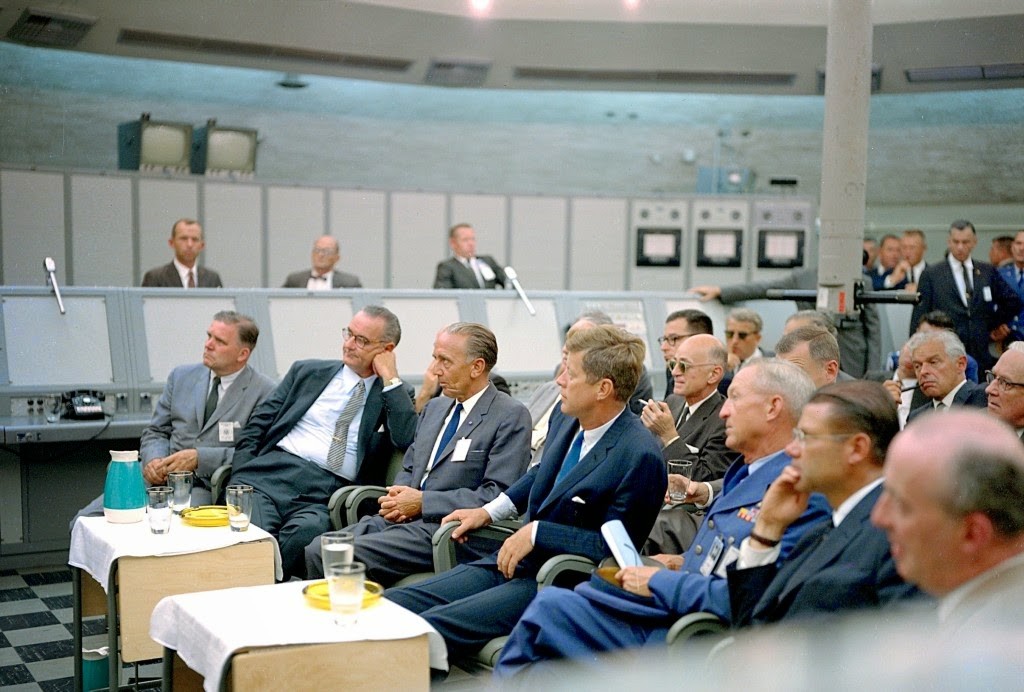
column 763, row 408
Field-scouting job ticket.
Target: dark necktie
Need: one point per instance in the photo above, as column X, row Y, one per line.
column 1020, row 280
column 339, row 441
column 684, row 416
column 572, row 458
column 212, row 399
column 968, row 287
column 191, row 279
column 446, row 437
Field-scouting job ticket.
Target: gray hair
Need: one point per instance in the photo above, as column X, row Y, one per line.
column 595, row 317
column 746, row 315
column 480, row 342
column 248, row 332
column 773, row 376
column 950, row 342
column 392, row 328
column 817, row 318
column 1016, row 346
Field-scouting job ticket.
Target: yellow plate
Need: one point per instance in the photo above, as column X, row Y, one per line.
column 317, row 595
column 206, row 515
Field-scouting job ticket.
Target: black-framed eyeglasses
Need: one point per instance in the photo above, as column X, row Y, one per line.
column 801, row 437
column 739, row 335
column 1004, row 384
column 684, row 366
column 673, row 339
column 361, row 341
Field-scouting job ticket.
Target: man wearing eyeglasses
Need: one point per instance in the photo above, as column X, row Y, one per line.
column 940, row 363
column 323, row 276
column 679, row 326
column 328, row 424
column 1006, row 387
column 689, row 427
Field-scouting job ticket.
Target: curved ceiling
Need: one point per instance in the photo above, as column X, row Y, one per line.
column 727, row 46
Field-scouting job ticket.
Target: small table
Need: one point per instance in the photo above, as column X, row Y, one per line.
column 137, row 568
column 269, row 637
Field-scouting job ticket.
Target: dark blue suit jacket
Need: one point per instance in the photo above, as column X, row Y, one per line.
column 388, row 422
column 622, row 477
column 971, row 394
column 829, row 570
column 974, row 322
column 1009, row 274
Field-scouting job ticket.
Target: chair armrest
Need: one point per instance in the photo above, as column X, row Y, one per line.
column 562, row 568
column 444, row 546
column 357, row 495
column 693, row 625
column 218, row 480
column 336, row 506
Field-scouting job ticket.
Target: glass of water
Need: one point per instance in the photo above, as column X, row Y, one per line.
column 239, row 501
column 337, row 548
column 345, row 586
column 677, row 487
column 159, row 498
column 181, row 485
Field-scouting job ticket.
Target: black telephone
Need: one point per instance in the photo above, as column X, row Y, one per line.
column 82, row 404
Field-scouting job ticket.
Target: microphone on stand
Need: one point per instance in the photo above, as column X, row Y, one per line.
column 51, row 278
column 514, row 278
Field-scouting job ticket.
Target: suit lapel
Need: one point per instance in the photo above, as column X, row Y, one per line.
column 471, row 423
column 200, row 390
column 231, row 397
column 588, row 464
column 372, row 406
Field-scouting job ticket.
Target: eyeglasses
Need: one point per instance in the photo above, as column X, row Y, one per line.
column 673, row 339
column 739, row 335
column 800, row 437
column 683, row 365
column 361, row 341
column 325, row 251
column 1004, row 384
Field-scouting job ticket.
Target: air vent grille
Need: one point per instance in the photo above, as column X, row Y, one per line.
column 457, row 73
column 960, row 73
column 53, row 29
column 657, row 76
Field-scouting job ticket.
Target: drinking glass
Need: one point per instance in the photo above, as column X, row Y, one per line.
column 679, row 467
column 159, row 498
column 337, row 548
column 345, row 586
column 239, row 501
column 181, row 485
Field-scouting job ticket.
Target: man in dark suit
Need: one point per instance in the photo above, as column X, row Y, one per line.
column 980, row 303
column 940, row 364
column 679, row 326
column 860, row 337
column 323, row 276
column 465, row 269
column 193, row 428
column 889, row 255
column 328, row 424
column 187, row 242
column 471, row 443
column 814, row 350
column 844, row 562
column 1013, row 274
column 764, row 405
column 599, row 464
column 689, row 428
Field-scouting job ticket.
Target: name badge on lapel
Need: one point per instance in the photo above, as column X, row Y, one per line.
column 461, row 449
column 226, row 431
column 986, row 292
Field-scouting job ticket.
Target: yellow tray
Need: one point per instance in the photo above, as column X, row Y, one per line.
column 317, row 595
column 206, row 515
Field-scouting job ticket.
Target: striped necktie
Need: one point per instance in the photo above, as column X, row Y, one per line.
column 339, row 441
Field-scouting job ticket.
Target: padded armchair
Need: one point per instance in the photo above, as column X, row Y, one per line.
column 345, row 502
column 219, row 481
column 694, row 625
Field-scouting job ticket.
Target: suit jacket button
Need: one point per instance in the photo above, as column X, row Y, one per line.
column 711, row 523
column 699, row 549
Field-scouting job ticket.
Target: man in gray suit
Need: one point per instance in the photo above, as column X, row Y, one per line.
column 328, row 424
column 323, row 276
column 202, row 409
column 465, row 269
column 182, row 272
column 471, row 443
column 940, row 363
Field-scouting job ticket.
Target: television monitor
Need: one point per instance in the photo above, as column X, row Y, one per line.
column 146, row 144
column 719, row 247
column 221, row 150
column 658, row 247
column 780, row 248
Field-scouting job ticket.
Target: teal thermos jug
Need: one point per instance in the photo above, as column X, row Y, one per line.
column 124, row 494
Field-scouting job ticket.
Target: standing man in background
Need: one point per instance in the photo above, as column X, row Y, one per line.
column 464, row 269
column 187, row 242
column 323, row 276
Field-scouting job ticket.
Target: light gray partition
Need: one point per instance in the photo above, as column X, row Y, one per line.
column 307, row 326
column 295, row 217
column 526, row 343
column 419, row 238
column 421, row 318
column 102, row 241
column 233, row 217
column 161, row 203
column 48, row 349
column 32, row 218
column 488, row 214
column 358, row 219
column 631, row 315
column 669, row 214
column 598, row 239
column 175, row 329
column 539, row 228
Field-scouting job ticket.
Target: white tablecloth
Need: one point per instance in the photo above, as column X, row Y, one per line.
column 207, row 627
column 96, row 543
